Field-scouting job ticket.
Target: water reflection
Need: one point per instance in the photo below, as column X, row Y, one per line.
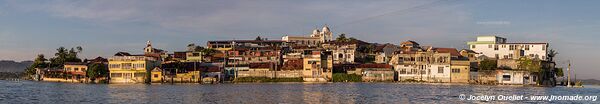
column 45, row 92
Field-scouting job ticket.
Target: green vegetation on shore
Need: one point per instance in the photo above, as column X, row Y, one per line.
column 265, row 79
column 343, row 77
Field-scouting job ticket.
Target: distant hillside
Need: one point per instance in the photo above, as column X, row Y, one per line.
column 591, row 82
column 12, row 66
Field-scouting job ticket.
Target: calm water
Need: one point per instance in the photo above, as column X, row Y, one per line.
column 48, row 92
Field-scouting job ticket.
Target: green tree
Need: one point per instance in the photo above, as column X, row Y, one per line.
column 208, row 51
column 63, row 55
column 559, row 72
column 529, row 64
column 342, row 38
column 551, row 54
column 39, row 62
column 97, row 70
column 258, row 38
column 488, row 64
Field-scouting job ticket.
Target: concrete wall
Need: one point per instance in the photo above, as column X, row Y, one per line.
column 378, row 75
column 271, row 74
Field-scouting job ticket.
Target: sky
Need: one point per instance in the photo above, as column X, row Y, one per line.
column 104, row 27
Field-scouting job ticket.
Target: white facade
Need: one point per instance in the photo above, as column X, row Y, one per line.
column 316, row 37
column 515, row 77
column 429, row 73
column 497, row 47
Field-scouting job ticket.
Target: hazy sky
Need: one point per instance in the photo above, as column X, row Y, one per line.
column 104, row 27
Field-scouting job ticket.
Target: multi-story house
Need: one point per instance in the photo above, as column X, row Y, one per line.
column 384, row 52
column 431, row 65
column 76, row 69
column 318, row 66
column 498, row 48
column 224, row 45
column 126, row 68
column 460, row 70
column 343, row 53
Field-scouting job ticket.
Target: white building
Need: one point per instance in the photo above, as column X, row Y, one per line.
column 497, row 47
column 315, row 38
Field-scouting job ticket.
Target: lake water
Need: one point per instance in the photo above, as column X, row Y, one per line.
column 267, row 93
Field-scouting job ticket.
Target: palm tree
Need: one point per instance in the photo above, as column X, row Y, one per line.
column 551, row 54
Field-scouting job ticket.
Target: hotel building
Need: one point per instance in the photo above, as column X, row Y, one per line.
column 497, row 47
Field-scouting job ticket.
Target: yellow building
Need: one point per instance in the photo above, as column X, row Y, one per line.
column 76, row 69
column 318, row 67
column 131, row 68
column 156, row 76
column 460, row 71
column 192, row 56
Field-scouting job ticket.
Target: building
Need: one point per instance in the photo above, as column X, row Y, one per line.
column 126, row 68
column 375, row 72
column 149, row 50
column 460, row 69
column 77, row 70
column 193, row 56
column 224, row 45
column 318, row 66
column 498, row 48
column 314, row 39
column 343, row 53
column 383, row 53
column 303, row 40
column 515, row 77
column 156, row 75
column 431, row 65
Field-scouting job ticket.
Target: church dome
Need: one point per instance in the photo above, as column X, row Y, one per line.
column 316, row 31
column 326, row 29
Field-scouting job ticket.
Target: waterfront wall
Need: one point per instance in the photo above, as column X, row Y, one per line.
column 271, row 74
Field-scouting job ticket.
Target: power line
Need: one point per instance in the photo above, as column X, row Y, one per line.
column 416, row 8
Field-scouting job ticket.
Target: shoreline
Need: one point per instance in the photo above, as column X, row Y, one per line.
column 388, row 82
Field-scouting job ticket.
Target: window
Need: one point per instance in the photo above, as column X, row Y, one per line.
column 455, row 70
column 76, row 69
column 526, row 47
column 440, row 69
column 473, row 46
column 495, row 47
column 139, row 74
column 497, row 56
column 126, row 65
column 116, row 74
column 543, row 47
column 511, row 47
column 155, row 75
column 82, row 69
column 402, row 71
column 510, row 55
column 114, row 66
column 505, row 77
column 503, row 46
column 490, row 46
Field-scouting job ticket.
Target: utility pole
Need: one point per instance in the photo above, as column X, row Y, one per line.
column 569, row 75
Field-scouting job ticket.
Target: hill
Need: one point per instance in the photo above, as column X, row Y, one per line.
column 12, row 66
column 591, row 82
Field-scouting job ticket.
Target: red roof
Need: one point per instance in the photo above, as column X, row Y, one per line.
column 452, row 51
